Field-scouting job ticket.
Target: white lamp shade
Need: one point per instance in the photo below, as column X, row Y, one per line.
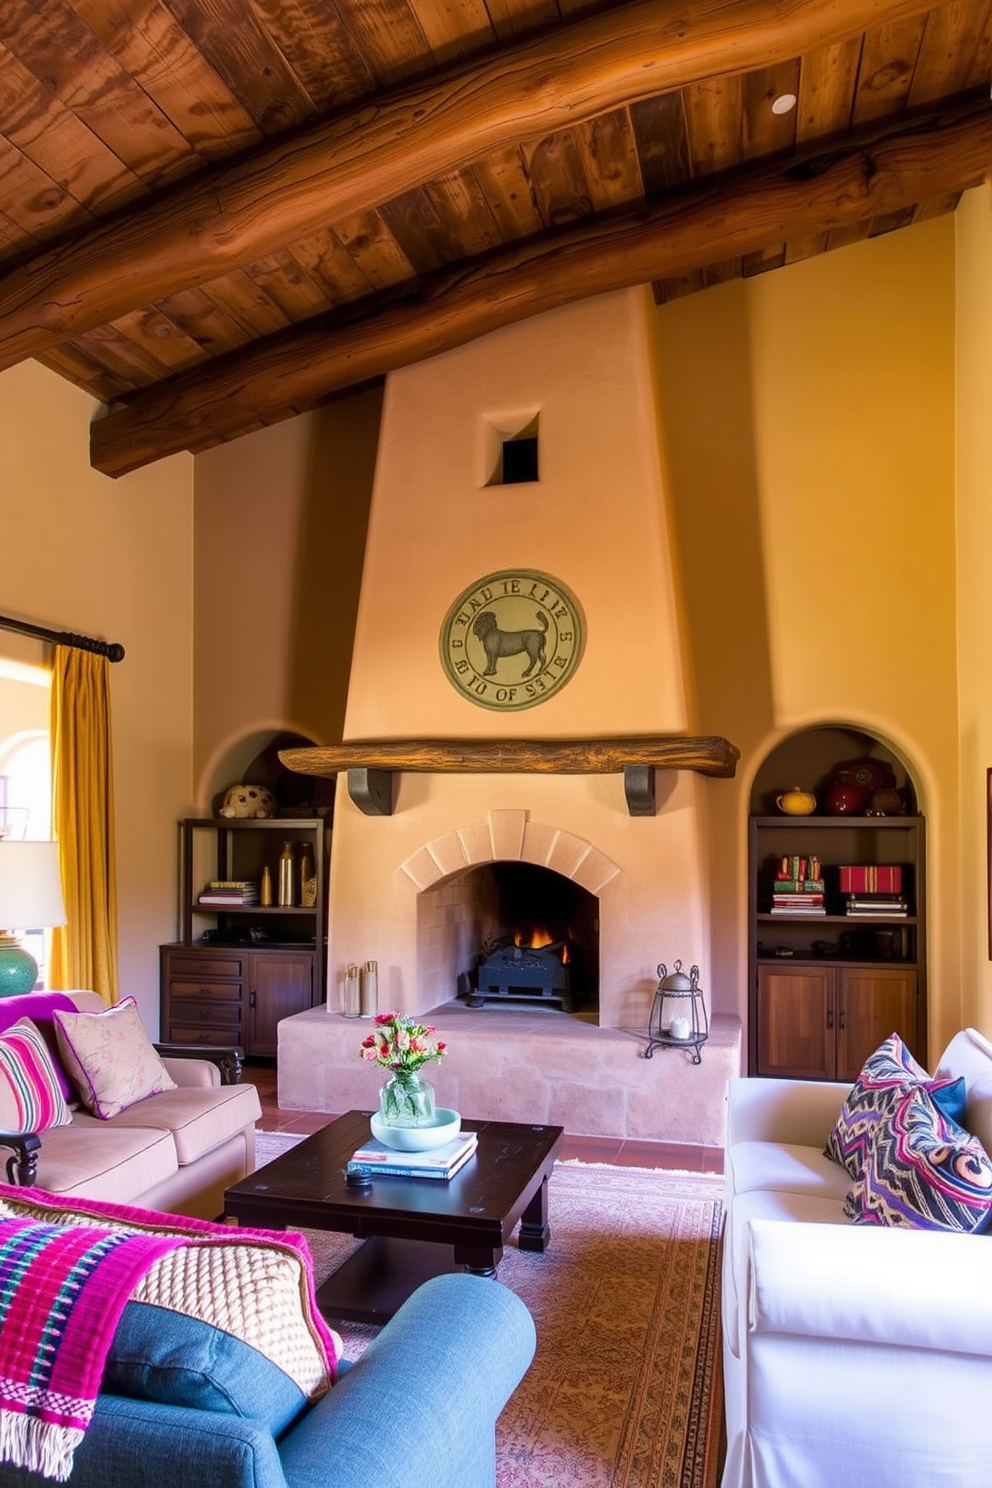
column 30, row 886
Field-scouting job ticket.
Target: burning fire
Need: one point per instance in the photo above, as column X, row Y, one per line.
column 540, row 936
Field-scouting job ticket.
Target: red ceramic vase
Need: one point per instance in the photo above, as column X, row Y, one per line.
column 845, row 800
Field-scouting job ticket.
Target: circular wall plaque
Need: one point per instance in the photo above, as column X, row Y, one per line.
column 512, row 640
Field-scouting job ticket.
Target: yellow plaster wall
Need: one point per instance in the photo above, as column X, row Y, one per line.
column 111, row 559
column 974, row 560
column 817, row 534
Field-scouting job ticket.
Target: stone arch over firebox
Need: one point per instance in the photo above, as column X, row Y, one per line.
column 444, row 873
column 510, row 836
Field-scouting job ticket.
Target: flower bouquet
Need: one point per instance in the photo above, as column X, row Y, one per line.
column 403, row 1046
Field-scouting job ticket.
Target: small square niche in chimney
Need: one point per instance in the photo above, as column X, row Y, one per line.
column 516, row 456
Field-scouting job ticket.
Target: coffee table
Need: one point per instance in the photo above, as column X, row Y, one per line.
column 413, row 1228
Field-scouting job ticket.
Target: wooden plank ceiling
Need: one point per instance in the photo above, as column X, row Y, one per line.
column 217, row 213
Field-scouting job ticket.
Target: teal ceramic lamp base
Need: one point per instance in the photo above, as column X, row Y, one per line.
column 18, row 968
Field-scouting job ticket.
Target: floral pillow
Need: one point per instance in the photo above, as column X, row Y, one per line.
column 110, row 1058
column 31, row 1098
column 888, row 1075
column 923, row 1171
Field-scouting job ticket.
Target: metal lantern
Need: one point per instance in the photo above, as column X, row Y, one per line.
column 678, row 1013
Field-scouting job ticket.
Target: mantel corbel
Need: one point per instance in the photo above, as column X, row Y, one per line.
column 371, row 763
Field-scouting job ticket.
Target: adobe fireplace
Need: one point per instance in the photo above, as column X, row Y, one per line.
column 597, row 782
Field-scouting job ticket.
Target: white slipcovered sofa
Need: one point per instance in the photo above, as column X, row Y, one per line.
column 855, row 1356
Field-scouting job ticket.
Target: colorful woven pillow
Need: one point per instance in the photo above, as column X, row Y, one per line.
column 31, row 1098
column 255, row 1285
column 886, row 1077
column 41, row 1007
column 110, row 1058
column 923, row 1171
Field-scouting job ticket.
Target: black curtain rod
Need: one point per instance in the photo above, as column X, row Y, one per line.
column 112, row 650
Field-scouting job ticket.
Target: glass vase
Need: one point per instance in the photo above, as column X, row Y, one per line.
column 407, row 1099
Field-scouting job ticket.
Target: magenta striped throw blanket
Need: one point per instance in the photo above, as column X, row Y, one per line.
column 62, row 1292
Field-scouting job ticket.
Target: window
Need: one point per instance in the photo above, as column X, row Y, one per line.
column 26, row 775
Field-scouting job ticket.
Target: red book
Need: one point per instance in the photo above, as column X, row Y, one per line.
column 870, row 879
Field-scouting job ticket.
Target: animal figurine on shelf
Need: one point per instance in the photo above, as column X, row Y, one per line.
column 248, row 800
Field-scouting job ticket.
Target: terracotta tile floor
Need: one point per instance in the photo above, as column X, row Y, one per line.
column 624, row 1152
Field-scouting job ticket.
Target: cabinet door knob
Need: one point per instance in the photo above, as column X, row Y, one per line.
column 830, row 1017
column 252, row 1000
column 841, row 1024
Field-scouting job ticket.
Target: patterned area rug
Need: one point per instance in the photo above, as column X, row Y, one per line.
column 625, row 1389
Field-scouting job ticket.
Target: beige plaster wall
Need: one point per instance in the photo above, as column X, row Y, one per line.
column 280, row 530
column 596, row 522
column 974, row 547
column 111, row 559
column 817, row 533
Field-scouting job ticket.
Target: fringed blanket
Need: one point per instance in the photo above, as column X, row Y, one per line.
column 62, row 1292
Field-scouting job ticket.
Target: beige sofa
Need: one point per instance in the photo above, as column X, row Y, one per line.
column 176, row 1152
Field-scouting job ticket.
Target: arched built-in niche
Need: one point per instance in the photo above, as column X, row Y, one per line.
column 254, row 759
column 809, row 757
column 838, row 962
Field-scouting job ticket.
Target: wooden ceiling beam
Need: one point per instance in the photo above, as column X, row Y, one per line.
column 857, row 181
column 237, row 213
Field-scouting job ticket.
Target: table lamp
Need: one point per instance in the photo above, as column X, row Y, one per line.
column 30, row 899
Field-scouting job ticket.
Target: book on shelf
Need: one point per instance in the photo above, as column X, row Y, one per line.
column 230, row 894
column 798, row 869
column 798, row 911
column 798, row 886
column 879, row 907
column 870, row 878
column 375, row 1159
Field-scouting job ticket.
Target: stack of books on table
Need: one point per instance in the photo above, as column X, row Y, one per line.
column 376, row 1159
column 229, row 893
column 798, row 890
column 873, row 891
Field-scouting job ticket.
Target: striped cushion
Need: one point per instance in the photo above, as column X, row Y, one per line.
column 923, row 1172
column 30, row 1097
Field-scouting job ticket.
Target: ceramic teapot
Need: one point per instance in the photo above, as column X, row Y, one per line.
column 796, row 802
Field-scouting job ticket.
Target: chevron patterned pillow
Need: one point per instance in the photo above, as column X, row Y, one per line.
column 888, row 1075
column 923, row 1172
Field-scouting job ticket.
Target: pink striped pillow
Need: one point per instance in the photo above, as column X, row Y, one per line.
column 30, row 1097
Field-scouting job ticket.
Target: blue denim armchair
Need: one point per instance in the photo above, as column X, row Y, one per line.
column 417, row 1410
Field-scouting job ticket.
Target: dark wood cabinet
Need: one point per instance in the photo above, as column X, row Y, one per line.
column 235, row 972
column 822, row 1022
column 280, row 983
column 212, row 996
column 827, row 989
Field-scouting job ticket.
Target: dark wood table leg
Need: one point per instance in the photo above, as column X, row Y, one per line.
column 535, row 1231
column 481, row 1260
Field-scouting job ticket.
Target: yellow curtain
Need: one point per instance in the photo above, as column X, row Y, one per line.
column 84, row 951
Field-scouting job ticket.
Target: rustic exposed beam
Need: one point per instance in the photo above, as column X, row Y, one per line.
column 237, row 213
column 708, row 755
column 866, row 177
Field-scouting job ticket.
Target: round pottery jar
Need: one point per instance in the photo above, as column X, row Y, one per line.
column 796, row 802
column 845, row 800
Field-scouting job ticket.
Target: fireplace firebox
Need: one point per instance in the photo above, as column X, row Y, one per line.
column 514, row 972
column 538, row 938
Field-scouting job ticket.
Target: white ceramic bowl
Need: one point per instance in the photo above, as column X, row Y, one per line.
column 444, row 1128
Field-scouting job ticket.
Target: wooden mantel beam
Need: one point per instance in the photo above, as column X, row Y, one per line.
column 239, row 212
column 708, row 755
column 874, row 174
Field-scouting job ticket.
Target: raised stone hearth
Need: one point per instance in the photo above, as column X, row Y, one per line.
column 511, row 1064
